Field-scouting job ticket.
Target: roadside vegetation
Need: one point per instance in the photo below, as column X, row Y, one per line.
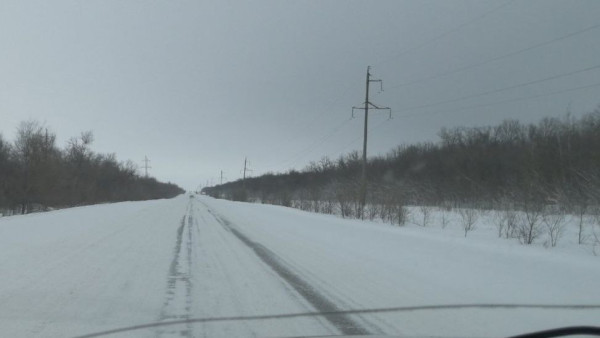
column 530, row 176
column 36, row 175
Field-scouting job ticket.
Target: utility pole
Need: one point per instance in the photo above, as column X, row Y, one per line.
column 368, row 104
column 221, row 177
column 146, row 166
column 246, row 169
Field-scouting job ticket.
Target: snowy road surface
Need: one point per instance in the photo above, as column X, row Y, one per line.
column 90, row 269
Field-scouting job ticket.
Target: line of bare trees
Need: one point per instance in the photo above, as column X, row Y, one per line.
column 35, row 174
column 515, row 167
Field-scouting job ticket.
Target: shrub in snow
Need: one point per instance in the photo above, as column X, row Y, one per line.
column 425, row 216
column 372, row 210
column 528, row 227
column 500, row 221
column 469, row 218
column 506, row 222
column 400, row 215
column 445, row 220
column 554, row 221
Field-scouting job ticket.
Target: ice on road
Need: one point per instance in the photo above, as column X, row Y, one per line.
column 90, row 269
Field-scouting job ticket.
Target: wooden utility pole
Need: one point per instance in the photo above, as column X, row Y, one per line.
column 363, row 180
column 246, row 169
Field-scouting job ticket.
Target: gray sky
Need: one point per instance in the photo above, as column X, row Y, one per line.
column 198, row 85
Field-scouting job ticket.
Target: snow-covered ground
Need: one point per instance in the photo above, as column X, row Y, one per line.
column 83, row 270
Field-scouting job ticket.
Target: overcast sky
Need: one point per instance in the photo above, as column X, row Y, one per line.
column 199, row 85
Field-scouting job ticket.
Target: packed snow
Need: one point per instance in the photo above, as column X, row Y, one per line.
column 79, row 271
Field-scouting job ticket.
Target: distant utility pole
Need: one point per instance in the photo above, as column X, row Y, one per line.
column 246, row 169
column 221, row 177
column 146, row 166
column 368, row 104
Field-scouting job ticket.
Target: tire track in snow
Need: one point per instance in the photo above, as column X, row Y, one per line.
column 178, row 302
column 342, row 322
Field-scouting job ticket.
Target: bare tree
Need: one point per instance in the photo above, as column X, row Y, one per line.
column 596, row 244
column 469, row 217
column 400, row 214
column 37, row 175
column 500, row 221
column 528, row 228
column 7, row 175
column 425, row 218
column 554, row 220
column 315, row 199
column 305, row 202
column 372, row 210
column 511, row 223
column 505, row 220
column 596, row 232
column 392, row 209
column 580, row 212
column 445, row 219
column 329, row 202
column 284, row 198
column 580, row 195
column 343, row 195
column 37, row 158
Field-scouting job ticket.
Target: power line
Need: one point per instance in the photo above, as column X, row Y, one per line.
column 444, row 34
column 319, row 142
column 503, row 56
column 416, row 47
column 520, row 51
column 382, row 123
column 333, row 102
column 307, row 150
column 328, row 136
column 310, row 125
column 347, row 145
column 508, row 100
column 313, row 145
column 502, row 89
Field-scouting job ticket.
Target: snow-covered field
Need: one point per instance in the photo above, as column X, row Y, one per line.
column 72, row 272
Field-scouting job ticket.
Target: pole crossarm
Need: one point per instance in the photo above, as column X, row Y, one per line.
column 372, row 106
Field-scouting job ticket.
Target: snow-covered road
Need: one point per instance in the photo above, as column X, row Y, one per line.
column 90, row 269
